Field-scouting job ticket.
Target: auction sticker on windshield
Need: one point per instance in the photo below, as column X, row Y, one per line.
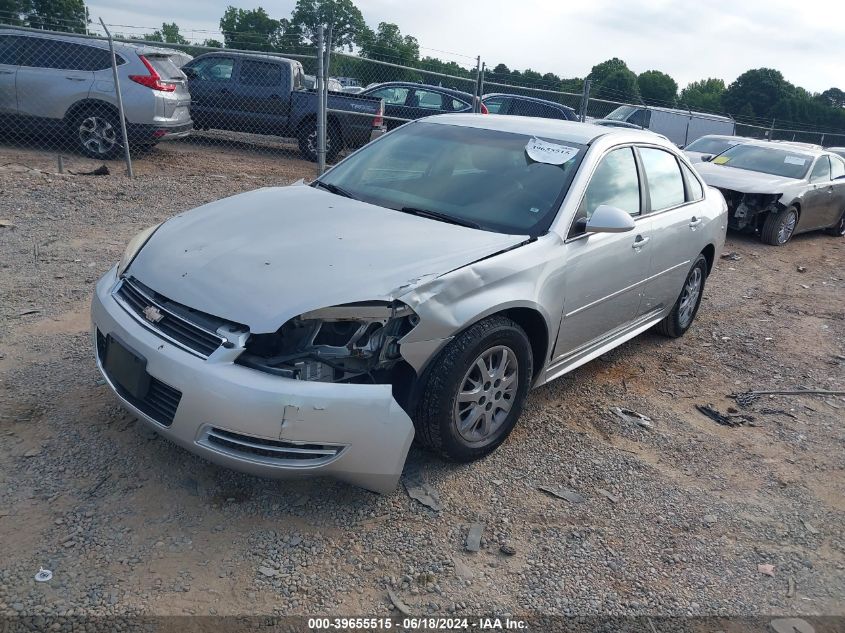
column 794, row 160
column 551, row 153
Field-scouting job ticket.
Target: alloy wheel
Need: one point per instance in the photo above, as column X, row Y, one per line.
column 787, row 227
column 97, row 135
column 487, row 394
column 689, row 297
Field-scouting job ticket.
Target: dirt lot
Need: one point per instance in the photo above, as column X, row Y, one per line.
column 675, row 519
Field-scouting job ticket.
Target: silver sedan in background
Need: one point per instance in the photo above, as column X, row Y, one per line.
column 418, row 289
column 779, row 189
column 704, row 148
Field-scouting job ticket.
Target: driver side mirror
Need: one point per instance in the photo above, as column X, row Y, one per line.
column 706, row 158
column 608, row 219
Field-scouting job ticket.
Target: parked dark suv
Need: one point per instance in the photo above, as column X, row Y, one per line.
column 406, row 101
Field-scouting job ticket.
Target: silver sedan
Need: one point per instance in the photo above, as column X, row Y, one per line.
column 418, row 289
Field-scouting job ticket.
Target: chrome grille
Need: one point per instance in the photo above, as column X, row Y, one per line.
column 280, row 452
column 186, row 334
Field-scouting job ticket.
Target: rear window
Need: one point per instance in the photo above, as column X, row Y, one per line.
column 165, row 67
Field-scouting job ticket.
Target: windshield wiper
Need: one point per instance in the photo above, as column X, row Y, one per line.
column 339, row 191
column 443, row 217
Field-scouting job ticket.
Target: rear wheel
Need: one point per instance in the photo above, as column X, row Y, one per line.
column 308, row 142
column 837, row 230
column 779, row 227
column 679, row 320
column 97, row 133
column 475, row 390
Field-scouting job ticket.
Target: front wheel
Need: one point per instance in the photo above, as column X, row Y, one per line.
column 679, row 320
column 475, row 390
column 779, row 227
column 838, row 229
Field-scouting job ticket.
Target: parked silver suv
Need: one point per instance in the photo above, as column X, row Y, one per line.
column 63, row 85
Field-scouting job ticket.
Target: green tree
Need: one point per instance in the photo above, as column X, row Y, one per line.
column 760, row 88
column 388, row 44
column 212, row 43
column 602, row 71
column 252, row 29
column 11, row 12
column 54, row 15
column 657, row 88
column 704, row 95
column 344, row 17
column 619, row 85
column 169, row 34
column 833, row 97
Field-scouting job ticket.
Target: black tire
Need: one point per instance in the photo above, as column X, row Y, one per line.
column 838, row 229
column 437, row 412
column 679, row 320
column 775, row 230
column 96, row 132
column 307, row 139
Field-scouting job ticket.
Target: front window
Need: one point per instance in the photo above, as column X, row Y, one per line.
column 767, row 160
column 615, row 183
column 621, row 113
column 392, row 95
column 473, row 175
column 665, row 183
column 710, row 145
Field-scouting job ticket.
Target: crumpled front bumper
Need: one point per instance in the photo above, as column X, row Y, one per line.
column 257, row 423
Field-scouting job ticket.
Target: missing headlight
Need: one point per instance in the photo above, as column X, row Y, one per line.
column 355, row 342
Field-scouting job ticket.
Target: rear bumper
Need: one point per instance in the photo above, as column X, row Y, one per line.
column 152, row 133
column 357, row 433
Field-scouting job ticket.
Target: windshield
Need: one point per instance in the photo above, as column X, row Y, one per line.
column 767, row 160
column 475, row 176
column 711, row 145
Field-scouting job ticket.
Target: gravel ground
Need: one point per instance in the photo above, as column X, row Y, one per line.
column 671, row 520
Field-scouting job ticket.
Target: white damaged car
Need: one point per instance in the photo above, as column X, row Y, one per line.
column 418, row 289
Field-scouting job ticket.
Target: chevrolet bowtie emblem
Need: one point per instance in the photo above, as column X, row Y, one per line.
column 153, row 314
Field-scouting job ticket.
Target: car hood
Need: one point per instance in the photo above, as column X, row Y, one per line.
column 742, row 180
column 263, row 257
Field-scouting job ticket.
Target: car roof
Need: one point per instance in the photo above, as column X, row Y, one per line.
column 558, row 129
column 225, row 52
column 726, row 137
column 534, row 99
column 410, row 84
column 146, row 49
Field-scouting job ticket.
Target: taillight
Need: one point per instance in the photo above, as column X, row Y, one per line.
column 484, row 109
column 378, row 119
column 153, row 80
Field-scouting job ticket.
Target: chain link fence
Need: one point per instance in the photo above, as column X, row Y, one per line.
column 64, row 93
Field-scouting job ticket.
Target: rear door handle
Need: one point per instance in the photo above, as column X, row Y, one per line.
column 7, row 72
column 694, row 222
column 75, row 78
column 640, row 242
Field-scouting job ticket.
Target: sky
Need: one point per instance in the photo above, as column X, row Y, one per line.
column 688, row 39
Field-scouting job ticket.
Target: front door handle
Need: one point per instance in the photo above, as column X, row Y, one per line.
column 694, row 222
column 7, row 72
column 640, row 242
column 75, row 78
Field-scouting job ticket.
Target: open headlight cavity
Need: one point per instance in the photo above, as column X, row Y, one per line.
column 355, row 342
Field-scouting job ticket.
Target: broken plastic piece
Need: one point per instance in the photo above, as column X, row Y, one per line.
column 43, row 575
column 550, row 153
